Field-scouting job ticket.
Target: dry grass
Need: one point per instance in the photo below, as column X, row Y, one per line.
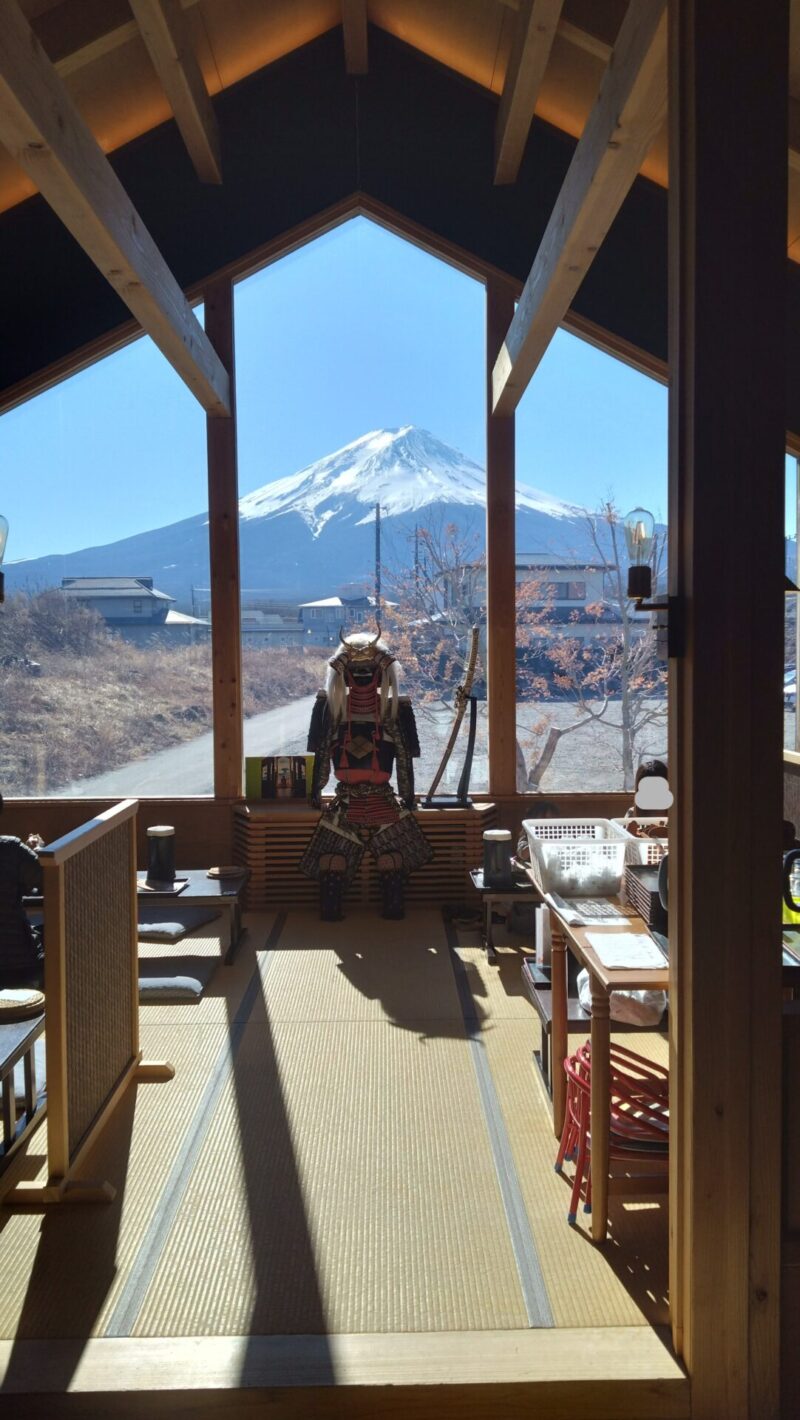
column 98, row 701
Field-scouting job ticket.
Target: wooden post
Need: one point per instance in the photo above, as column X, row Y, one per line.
column 223, row 534
column 501, row 633
column 728, row 95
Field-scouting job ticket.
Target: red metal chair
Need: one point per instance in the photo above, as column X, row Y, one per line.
column 639, row 1106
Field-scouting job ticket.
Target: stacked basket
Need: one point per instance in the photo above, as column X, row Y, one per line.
column 581, row 857
column 648, row 838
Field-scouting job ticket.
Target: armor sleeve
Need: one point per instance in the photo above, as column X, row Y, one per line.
column 320, row 721
column 407, row 749
column 408, row 726
column 320, row 739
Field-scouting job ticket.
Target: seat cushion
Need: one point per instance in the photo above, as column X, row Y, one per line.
column 159, row 924
column 174, row 978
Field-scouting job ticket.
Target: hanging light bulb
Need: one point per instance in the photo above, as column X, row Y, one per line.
column 639, row 528
column 3, row 541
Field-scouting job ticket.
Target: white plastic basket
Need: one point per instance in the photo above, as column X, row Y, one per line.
column 644, row 850
column 577, row 857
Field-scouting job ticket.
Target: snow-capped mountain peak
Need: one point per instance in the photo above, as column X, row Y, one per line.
column 403, row 470
column 304, row 536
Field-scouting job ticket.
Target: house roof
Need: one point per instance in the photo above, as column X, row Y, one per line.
column 107, row 587
column 180, row 618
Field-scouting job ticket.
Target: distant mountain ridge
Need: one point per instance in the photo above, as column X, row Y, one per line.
column 307, row 535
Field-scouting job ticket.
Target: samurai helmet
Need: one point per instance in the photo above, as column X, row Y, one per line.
column 364, row 649
column 359, row 657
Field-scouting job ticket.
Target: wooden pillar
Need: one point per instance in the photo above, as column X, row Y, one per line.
column 728, row 173
column 500, row 555
column 223, row 533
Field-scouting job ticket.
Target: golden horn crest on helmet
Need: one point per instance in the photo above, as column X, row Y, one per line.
column 360, row 653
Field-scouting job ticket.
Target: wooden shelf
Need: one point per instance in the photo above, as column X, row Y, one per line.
column 270, row 839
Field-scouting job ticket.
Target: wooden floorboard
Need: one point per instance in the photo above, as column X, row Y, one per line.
column 612, row 1374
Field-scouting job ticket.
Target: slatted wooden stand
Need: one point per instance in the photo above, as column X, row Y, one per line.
column 270, row 839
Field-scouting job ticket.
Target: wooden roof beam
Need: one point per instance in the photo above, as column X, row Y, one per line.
column 166, row 36
column 75, row 35
column 629, row 111
column 534, row 32
column 354, row 24
column 45, row 134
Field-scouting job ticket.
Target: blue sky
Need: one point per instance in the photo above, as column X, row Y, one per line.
column 360, row 330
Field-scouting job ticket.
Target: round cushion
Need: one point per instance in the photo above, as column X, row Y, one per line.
column 19, row 1002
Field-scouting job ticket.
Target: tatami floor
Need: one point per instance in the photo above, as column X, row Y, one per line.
column 356, row 1140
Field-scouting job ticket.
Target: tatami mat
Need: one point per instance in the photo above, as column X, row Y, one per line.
column 364, row 1199
column 60, row 1268
column 362, row 969
column 624, row 1283
column 341, row 1174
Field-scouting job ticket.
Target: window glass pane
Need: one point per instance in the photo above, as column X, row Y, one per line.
column 105, row 664
column 591, row 687
column 360, row 389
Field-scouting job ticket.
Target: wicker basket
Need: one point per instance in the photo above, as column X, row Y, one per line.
column 644, row 850
column 577, row 857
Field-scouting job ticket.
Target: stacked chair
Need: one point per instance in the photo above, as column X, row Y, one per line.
column 639, row 1105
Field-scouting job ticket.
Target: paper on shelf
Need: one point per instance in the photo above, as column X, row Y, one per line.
column 627, row 951
column 587, row 912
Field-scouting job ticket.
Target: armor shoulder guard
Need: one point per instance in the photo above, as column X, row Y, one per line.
column 320, row 722
column 407, row 726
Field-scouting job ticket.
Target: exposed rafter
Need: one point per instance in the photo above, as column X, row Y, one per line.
column 535, row 29
column 794, row 134
column 75, row 35
column 45, row 134
column 354, row 24
column 629, row 111
column 165, row 33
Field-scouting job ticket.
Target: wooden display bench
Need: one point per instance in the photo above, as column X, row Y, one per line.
column 270, row 839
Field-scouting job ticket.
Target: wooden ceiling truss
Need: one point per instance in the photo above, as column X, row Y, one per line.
column 44, row 132
column 354, row 25
column 535, row 30
column 630, row 110
column 164, row 32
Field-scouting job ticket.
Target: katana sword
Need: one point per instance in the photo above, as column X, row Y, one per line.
column 461, row 699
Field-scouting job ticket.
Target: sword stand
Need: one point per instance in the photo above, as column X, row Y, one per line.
column 461, row 799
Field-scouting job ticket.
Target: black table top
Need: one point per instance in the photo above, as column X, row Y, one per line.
column 524, row 888
column 16, row 1037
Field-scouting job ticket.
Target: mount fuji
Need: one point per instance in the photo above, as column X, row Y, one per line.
column 308, row 535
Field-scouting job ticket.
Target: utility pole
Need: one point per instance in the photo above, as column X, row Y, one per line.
column 377, row 561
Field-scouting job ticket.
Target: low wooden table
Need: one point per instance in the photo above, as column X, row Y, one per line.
column 500, row 897
column 17, row 1042
column 203, row 891
column 603, row 981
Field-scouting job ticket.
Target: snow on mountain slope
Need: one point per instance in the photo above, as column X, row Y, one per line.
column 402, row 469
column 304, row 536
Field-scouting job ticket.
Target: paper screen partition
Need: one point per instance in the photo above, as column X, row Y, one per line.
column 91, row 994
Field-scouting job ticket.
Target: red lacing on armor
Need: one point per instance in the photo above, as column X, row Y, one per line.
column 362, row 701
column 370, row 810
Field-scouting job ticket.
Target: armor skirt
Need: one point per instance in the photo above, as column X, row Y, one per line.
column 360, row 817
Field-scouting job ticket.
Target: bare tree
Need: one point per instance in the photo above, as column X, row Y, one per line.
column 616, row 679
column 612, row 677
